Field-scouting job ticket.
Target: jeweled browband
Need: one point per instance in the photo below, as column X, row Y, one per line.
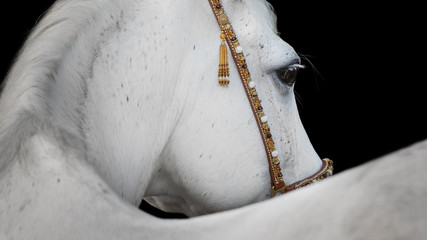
column 228, row 35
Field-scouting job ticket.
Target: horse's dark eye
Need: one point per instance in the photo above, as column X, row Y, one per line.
column 288, row 75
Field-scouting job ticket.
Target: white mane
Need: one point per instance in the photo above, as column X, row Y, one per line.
column 42, row 63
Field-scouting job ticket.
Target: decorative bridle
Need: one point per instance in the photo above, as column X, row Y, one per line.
column 228, row 35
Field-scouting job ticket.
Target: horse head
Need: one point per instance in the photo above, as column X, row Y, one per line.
column 136, row 83
column 214, row 158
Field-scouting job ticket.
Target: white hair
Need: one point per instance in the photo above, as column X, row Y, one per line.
column 39, row 62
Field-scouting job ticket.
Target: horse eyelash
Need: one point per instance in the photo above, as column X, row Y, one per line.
column 296, row 65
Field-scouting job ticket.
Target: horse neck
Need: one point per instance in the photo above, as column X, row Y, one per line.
column 71, row 74
column 38, row 74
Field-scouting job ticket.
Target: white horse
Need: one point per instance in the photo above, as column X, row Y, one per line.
column 113, row 101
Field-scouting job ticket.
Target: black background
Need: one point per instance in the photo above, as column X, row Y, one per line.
column 367, row 96
column 370, row 98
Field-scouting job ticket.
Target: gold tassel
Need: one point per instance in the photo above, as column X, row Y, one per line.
column 224, row 71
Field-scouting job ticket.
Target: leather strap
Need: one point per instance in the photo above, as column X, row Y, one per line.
column 325, row 171
column 278, row 185
column 276, row 176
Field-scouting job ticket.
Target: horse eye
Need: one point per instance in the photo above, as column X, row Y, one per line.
column 288, row 75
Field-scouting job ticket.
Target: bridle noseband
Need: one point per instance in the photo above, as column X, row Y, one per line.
column 227, row 33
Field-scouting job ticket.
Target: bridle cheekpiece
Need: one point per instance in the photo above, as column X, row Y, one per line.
column 228, row 35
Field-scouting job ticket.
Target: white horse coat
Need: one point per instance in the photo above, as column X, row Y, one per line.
column 114, row 101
